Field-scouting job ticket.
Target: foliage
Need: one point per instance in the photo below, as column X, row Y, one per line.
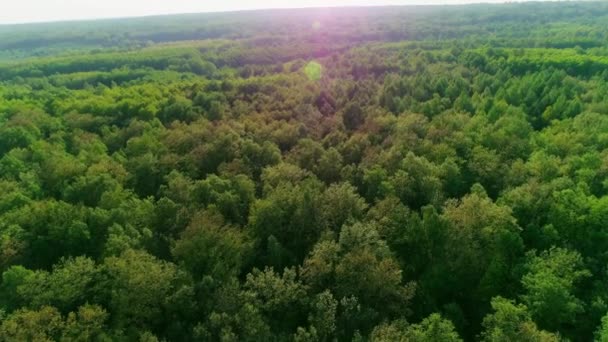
column 370, row 174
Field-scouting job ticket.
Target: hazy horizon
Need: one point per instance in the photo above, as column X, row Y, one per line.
column 39, row 11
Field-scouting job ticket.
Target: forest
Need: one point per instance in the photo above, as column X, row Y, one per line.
column 417, row 173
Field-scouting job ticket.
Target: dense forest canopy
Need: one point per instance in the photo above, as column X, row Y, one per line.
column 416, row 174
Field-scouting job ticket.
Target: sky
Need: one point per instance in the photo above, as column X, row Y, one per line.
column 24, row 11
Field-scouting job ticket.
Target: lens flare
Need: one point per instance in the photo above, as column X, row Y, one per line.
column 313, row 71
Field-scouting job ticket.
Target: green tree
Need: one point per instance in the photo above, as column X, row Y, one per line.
column 601, row 334
column 86, row 324
column 353, row 116
column 290, row 215
column 210, row 247
column 71, row 284
column 340, row 204
column 551, row 286
column 45, row 324
column 512, row 322
column 139, row 286
column 432, row 328
column 280, row 298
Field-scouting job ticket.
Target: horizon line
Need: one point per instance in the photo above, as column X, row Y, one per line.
column 229, row 11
